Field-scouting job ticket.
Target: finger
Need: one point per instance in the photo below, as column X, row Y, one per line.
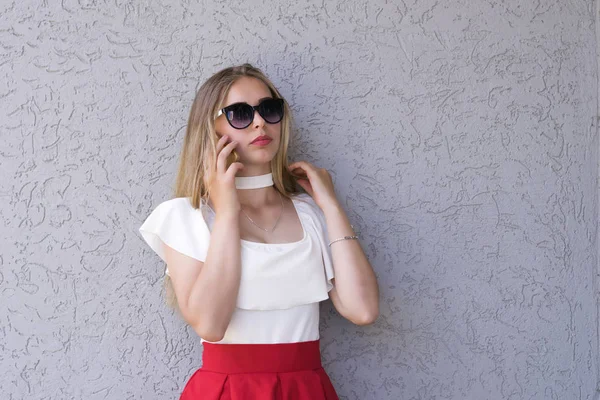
column 297, row 172
column 302, row 174
column 303, row 168
column 295, row 167
column 233, row 169
column 222, row 142
column 306, row 186
column 222, row 157
column 302, row 164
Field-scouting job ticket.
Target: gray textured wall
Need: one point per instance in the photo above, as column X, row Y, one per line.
column 461, row 136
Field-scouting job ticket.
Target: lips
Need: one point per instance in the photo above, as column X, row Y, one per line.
column 261, row 139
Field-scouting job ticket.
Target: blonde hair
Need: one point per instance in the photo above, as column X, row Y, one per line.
column 198, row 154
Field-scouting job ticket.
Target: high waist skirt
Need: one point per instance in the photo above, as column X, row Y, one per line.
column 282, row 371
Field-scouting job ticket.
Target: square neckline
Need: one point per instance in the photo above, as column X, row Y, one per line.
column 285, row 244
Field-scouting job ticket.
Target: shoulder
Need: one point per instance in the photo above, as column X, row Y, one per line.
column 307, row 205
column 304, row 202
column 304, row 199
column 175, row 203
column 179, row 205
column 179, row 225
column 176, row 210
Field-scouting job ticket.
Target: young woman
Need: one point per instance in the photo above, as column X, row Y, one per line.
column 248, row 254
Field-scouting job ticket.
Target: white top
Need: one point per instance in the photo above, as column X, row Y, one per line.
column 281, row 284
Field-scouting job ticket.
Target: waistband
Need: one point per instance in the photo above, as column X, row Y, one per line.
column 245, row 358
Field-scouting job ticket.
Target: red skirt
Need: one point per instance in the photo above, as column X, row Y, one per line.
column 283, row 371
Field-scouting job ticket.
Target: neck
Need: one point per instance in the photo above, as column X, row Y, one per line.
column 254, row 182
column 254, row 169
column 257, row 198
column 255, row 190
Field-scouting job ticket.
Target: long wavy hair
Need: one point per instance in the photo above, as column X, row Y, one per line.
column 199, row 151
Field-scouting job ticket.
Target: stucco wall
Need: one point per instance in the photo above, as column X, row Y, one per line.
column 463, row 143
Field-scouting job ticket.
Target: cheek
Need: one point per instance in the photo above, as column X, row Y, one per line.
column 220, row 128
column 275, row 131
column 232, row 133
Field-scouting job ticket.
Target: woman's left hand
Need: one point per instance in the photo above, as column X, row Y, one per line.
column 316, row 181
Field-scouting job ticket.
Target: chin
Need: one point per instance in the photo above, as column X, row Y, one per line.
column 258, row 160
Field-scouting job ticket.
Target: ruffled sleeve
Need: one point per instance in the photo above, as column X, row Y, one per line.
column 179, row 225
column 318, row 219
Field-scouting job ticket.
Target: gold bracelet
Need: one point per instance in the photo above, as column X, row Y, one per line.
column 345, row 237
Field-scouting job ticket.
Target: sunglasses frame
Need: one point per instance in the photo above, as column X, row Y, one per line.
column 255, row 108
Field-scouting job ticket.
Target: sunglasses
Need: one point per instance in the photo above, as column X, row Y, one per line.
column 241, row 115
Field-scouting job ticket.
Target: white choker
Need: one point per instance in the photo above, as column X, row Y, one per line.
column 254, row 182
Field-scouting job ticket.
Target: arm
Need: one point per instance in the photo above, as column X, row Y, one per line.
column 207, row 291
column 356, row 293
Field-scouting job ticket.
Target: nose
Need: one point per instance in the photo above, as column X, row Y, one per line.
column 258, row 120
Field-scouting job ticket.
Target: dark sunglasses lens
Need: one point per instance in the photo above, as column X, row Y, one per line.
column 271, row 110
column 240, row 115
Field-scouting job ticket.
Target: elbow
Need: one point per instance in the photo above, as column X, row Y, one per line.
column 206, row 330
column 210, row 334
column 213, row 337
column 361, row 313
column 366, row 319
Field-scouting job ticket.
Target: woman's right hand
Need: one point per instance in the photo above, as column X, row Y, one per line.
column 222, row 184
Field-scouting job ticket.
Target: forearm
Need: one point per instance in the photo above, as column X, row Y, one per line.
column 355, row 282
column 213, row 296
